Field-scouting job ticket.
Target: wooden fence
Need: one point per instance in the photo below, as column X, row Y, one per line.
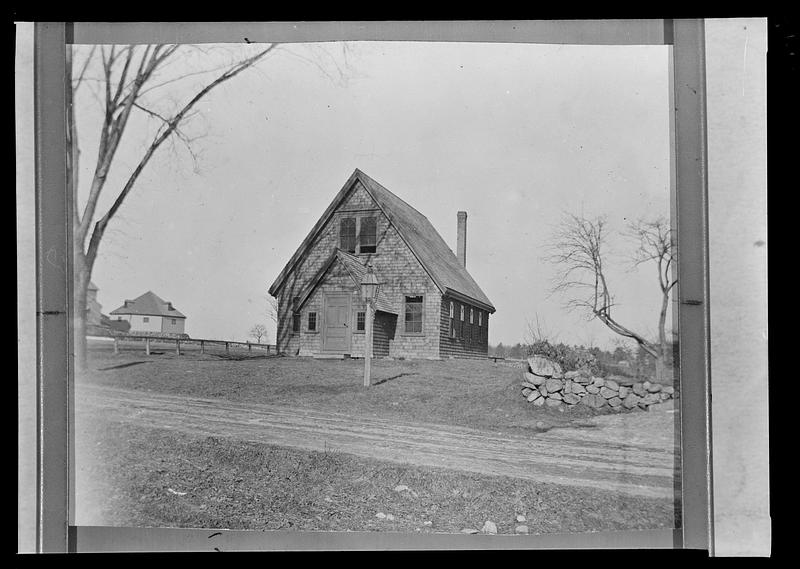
column 184, row 342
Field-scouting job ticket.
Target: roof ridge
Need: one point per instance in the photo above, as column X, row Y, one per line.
column 387, row 190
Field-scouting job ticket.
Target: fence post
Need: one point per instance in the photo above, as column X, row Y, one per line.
column 116, row 345
column 178, row 347
column 147, row 346
column 249, row 347
column 226, row 347
column 202, row 347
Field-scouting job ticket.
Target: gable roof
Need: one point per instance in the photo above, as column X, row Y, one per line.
column 356, row 269
column 149, row 304
column 438, row 260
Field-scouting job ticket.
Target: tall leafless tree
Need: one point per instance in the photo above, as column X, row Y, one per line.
column 577, row 249
column 126, row 75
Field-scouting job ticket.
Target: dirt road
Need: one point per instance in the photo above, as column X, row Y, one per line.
column 632, row 453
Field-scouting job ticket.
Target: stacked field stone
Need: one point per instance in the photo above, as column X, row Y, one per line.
column 545, row 383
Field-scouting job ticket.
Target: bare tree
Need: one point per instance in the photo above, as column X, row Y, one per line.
column 258, row 332
column 272, row 308
column 577, row 249
column 127, row 74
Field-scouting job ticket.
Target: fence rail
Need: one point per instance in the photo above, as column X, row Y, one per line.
column 202, row 342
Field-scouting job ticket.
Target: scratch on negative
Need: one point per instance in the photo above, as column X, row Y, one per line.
column 744, row 61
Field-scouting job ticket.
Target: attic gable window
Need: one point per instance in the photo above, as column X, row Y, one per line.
column 347, row 234
column 368, row 235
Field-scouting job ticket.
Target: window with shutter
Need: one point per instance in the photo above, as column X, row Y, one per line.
column 347, row 234
column 368, row 235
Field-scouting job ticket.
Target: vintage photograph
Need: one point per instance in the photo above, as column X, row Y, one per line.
column 377, row 286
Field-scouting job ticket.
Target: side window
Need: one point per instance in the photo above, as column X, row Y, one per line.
column 413, row 314
column 368, row 235
column 312, row 321
column 480, row 318
column 452, row 322
column 174, row 321
column 462, row 312
column 471, row 317
column 145, row 319
column 347, row 234
column 361, row 319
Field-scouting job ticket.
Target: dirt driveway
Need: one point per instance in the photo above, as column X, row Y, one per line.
column 632, row 453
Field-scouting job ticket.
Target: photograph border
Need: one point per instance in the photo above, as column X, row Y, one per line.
column 56, row 532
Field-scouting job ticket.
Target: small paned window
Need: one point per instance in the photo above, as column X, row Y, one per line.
column 347, row 234
column 368, row 236
column 145, row 319
column 296, row 322
column 361, row 321
column 413, row 314
column 312, row 321
column 174, row 321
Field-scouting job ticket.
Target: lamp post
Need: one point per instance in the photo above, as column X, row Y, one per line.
column 369, row 291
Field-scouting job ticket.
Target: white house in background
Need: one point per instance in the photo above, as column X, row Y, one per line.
column 94, row 309
column 149, row 314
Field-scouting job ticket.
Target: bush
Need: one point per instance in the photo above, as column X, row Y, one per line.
column 568, row 357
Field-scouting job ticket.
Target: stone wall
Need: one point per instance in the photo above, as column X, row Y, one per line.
column 545, row 384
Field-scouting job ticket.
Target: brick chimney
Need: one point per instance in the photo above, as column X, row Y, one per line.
column 461, row 243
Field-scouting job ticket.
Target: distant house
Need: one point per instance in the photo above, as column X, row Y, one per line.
column 428, row 305
column 149, row 314
column 93, row 308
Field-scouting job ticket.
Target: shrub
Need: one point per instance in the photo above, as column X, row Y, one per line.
column 568, row 357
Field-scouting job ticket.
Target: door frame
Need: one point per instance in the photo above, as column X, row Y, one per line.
column 325, row 297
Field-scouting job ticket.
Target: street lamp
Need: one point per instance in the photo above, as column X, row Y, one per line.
column 369, row 292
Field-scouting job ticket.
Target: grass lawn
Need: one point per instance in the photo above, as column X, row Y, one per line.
column 142, row 476
column 479, row 394
column 145, row 477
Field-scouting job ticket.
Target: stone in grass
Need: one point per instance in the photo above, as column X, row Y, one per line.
column 571, row 399
column 526, row 391
column 593, row 389
column 534, row 380
column 611, row 384
column 427, row 523
column 489, row 527
column 521, row 530
column 554, row 385
column 533, row 396
column 553, row 402
column 400, row 488
column 544, row 367
column 470, row 531
column 665, row 406
column 380, row 516
column 539, row 402
column 615, row 402
column 607, row 393
column 651, row 398
column 520, row 518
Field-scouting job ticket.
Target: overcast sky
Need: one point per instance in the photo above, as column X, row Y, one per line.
column 513, row 134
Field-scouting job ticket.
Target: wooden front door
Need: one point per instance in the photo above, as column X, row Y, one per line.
column 336, row 323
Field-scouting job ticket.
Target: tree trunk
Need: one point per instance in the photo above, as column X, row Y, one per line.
column 660, row 367
column 80, row 290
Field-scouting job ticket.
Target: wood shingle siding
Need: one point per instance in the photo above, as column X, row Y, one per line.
column 365, row 218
